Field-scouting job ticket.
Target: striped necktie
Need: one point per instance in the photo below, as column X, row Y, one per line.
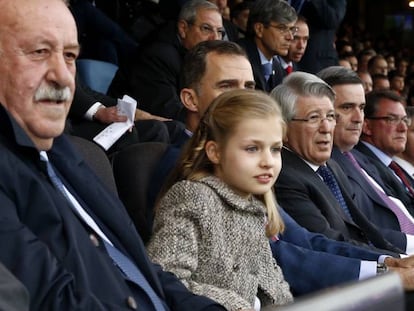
column 406, row 225
column 332, row 184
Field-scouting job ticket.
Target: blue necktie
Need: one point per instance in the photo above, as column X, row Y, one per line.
column 332, row 184
column 129, row 269
column 406, row 225
column 267, row 70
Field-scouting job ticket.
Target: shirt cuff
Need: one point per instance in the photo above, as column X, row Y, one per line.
column 368, row 269
column 410, row 244
column 90, row 113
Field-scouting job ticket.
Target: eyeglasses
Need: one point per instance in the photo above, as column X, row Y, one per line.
column 283, row 29
column 393, row 120
column 208, row 30
column 316, row 119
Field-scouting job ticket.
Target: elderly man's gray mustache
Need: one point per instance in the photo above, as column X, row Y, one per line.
column 51, row 93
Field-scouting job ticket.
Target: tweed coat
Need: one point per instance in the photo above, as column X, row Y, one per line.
column 215, row 242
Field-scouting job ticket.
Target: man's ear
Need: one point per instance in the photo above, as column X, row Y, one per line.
column 258, row 29
column 189, row 99
column 366, row 128
column 212, row 151
column 182, row 28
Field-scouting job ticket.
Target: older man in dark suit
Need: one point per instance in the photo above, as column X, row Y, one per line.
column 312, row 188
column 63, row 234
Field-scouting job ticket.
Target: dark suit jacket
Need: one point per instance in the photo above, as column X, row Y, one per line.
column 369, row 202
column 13, row 295
column 56, row 256
column 310, row 261
column 251, row 49
column 392, row 185
column 303, row 194
column 323, row 18
column 154, row 78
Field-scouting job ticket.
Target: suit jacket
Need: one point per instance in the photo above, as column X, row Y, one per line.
column 392, row 185
column 143, row 131
column 13, row 295
column 154, row 78
column 323, row 18
column 251, row 49
column 369, row 202
column 303, row 194
column 310, row 261
column 59, row 259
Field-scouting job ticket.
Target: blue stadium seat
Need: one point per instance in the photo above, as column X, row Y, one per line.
column 96, row 74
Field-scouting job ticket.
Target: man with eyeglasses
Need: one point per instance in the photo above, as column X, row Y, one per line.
column 154, row 77
column 384, row 135
column 371, row 196
column 311, row 187
column 270, row 31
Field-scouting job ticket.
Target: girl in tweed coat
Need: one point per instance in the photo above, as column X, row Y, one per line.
column 212, row 226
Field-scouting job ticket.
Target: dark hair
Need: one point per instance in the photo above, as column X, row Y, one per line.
column 338, row 75
column 373, row 98
column 266, row 11
column 194, row 65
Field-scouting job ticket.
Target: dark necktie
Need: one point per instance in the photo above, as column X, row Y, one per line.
column 297, row 5
column 267, row 70
column 129, row 269
column 406, row 225
column 399, row 172
column 289, row 69
column 332, row 184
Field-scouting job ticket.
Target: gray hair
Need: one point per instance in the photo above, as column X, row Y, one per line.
column 299, row 84
column 266, row 11
column 189, row 10
column 338, row 75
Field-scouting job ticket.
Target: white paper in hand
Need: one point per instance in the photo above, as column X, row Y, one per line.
column 126, row 106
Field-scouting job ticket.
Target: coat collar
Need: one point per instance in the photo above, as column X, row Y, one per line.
column 235, row 201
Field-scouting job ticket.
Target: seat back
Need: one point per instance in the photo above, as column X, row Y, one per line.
column 97, row 159
column 380, row 293
column 96, row 74
column 133, row 168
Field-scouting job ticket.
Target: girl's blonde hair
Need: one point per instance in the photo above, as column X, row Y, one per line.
column 217, row 124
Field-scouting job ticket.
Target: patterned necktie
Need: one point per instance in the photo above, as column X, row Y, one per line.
column 406, row 225
column 399, row 172
column 332, row 184
column 125, row 264
column 289, row 69
column 267, row 70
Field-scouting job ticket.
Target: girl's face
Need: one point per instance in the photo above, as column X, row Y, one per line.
column 249, row 161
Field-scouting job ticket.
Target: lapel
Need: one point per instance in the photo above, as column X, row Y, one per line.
column 301, row 168
column 356, row 176
column 106, row 209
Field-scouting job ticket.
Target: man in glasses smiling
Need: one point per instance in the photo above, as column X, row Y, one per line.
column 384, row 135
column 270, row 31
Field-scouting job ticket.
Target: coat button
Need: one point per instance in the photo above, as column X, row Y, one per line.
column 132, row 303
column 94, row 239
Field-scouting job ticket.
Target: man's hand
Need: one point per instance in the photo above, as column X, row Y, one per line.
column 143, row 115
column 407, row 262
column 407, row 277
column 109, row 115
